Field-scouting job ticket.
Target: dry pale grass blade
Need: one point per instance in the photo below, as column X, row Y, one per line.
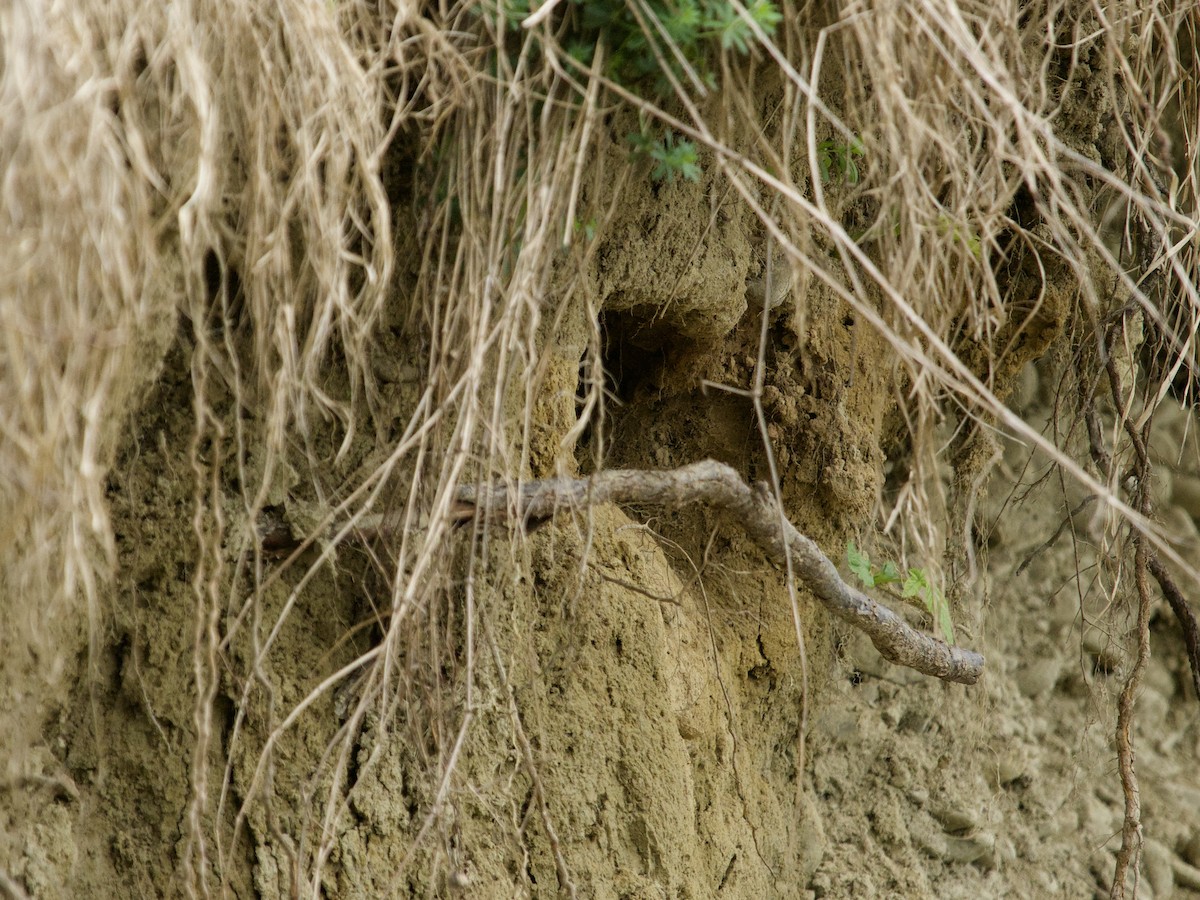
column 507, row 161
column 85, row 300
column 983, row 191
column 219, row 159
column 934, row 163
column 968, row 186
column 294, row 233
column 127, row 132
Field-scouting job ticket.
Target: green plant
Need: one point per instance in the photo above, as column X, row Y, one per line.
column 649, row 44
column 948, row 228
column 733, row 31
column 916, row 586
column 682, row 32
column 672, row 156
column 586, row 230
column 641, row 38
column 836, row 160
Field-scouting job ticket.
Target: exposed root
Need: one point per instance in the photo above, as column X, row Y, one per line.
column 1131, row 829
column 755, row 510
column 1183, row 614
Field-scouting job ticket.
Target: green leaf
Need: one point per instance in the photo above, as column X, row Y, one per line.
column 683, row 22
column 735, row 35
column 837, row 160
column 673, row 157
column 734, row 32
column 935, row 601
column 678, row 158
column 586, row 230
column 943, row 618
column 766, row 14
column 515, row 12
column 860, row 565
column 730, row 29
column 889, row 574
column 916, row 584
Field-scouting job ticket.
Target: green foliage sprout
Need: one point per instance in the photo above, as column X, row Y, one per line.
column 696, row 29
column 836, row 160
column 672, row 156
column 586, row 229
column 916, row 586
column 647, row 51
column 734, row 32
column 948, row 228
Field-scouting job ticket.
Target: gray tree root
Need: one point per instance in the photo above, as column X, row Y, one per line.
column 755, row 510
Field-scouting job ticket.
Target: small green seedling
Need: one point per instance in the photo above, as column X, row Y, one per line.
column 947, row 228
column 870, row 576
column 734, row 33
column 916, row 586
column 585, row 230
column 649, row 48
column 836, row 160
column 672, row 156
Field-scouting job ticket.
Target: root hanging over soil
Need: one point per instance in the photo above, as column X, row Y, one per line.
column 719, row 487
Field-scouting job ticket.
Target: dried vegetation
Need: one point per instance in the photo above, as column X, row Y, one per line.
column 282, row 194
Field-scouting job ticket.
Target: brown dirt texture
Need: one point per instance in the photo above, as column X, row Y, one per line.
column 663, row 701
column 622, row 703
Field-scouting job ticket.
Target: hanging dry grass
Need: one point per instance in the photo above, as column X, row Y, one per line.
column 211, row 178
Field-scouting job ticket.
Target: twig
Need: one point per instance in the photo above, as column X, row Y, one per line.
column 720, row 487
column 1174, row 596
column 1183, row 613
column 1132, row 837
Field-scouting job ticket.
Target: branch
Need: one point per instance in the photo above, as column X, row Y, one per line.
column 1178, row 603
column 1183, row 613
column 755, row 510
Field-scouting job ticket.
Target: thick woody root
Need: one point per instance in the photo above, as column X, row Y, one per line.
column 756, row 510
